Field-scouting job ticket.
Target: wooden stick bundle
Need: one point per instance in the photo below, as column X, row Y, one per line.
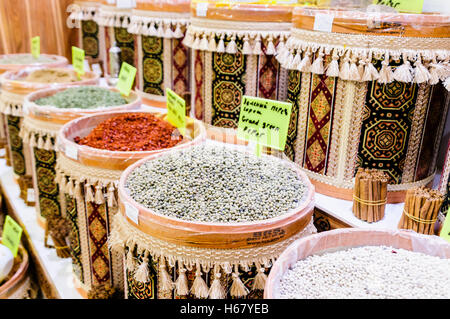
column 369, row 194
column 421, row 210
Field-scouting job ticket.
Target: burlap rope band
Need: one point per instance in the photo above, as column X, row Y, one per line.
column 354, row 57
column 217, row 260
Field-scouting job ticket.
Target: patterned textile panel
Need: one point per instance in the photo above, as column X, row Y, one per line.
column 292, row 96
column 268, row 76
column 446, row 203
column 90, row 38
column 125, row 41
column 431, row 136
column 138, row 290
column 199, row 78
column 320, row 113
column 48, row 191
column 97, row 219
column 228, row 87
column 180, row 72
column 152, row 65
column 15, row 141
column 386, row 126
column 75, row 245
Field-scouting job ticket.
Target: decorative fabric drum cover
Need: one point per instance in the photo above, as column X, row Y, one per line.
column 184, row 259
column 444, row 187
column 367, row 94
column 162, row 59
column 14, row 91
column 88, row 186
column 113, row 24
column 233, row 54
column 40, row 128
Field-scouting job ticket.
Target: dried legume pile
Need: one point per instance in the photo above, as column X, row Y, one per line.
column 83, row 97
column 52, row 76
column 132, row 132
column 25, row 59
column 210, row 183
column 367, row 272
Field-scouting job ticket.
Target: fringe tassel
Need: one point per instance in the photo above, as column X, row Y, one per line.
column 112, row 202
column 160, row 31
column 40, row 143
column 246, row 48
column 25, row 137
column 344, row 72
column 447, row 84
column 237, row 288
column 48, row 143
column 152, row 30
column 167, row 284
column 403, row 73
column 289, row 62
column 434, row 73
column 130, row 260
column 317, row 66
column 142, row 273
column 99, row 198
column 187, row 41
column 221, row 45
column 181, row 285
column 62, row 184
column 77, row 189
column 7, row 110
column 257, row 49
column 296, row 61
column 333, row 67
column 231, row 46
column 168, row 33
column 196, row 44
column 280, row 46
column 125, row 22
column 270, row 49
column 305, row 64
column 386, row 75
column 212, row 43
column 421, row 73
column 178, row 33
column 204, row 45
column 354, row 72
column 216, row 291
column 89, row 194
column 199, row 288
column 260, row 279
column 69, row 187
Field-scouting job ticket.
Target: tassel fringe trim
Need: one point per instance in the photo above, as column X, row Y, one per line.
column 168, row 28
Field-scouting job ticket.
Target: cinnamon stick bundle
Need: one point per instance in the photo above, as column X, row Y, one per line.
column 369, row 194
column 421, row 209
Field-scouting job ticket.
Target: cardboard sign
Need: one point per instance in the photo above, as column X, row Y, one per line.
column 264, row 121
column 11, row 235
column 445, row 231
column 126, row 78
column 176, row 110
column 78, row 60
column 36, row 47
column 410, row 6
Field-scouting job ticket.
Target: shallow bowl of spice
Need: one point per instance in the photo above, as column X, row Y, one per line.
column 15, row 62
column 362, row 264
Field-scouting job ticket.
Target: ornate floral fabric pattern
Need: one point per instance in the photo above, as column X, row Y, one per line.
column 292, row 96
column 180, row 72
column 228, row 87
column 386, row 126
column 199, row 75
column 152, row 64
column 48, row 190
column 75, row 245
column 15, row 142
column 125, row 41
column 90, row 39
column 138, row 290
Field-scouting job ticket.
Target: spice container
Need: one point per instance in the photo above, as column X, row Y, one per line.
column 45, row 112
column 16, row 62
column 18, row 285
column 444, row 189
column 163, row 60
column 234, row 48
column 185, row 231
column 15, row 87
column 88, row 179
column 381, row 274
column 367, row 93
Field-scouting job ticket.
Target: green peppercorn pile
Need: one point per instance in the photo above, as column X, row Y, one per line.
column 210, row 183
column 83, row 97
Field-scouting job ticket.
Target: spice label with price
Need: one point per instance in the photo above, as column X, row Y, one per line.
column 11, row 235
column 126, row 78
column 176, row 110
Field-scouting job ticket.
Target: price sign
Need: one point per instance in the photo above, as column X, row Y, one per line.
column 11, row 235
column 411, row 6
column 176, row 110
column 126, row 78
column 264, row 121
column 36, row 47
column 78, row 60
column 445, row 231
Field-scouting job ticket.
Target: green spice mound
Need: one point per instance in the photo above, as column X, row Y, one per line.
column 83, row 97
column 25, row 59
column 211, row 183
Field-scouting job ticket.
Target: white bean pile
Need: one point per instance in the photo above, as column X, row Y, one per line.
column 367, row 272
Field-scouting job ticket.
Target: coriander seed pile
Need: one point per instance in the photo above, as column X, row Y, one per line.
column 209, row 183
column 367, row 272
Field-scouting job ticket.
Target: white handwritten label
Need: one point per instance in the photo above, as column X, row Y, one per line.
column 202, row 8
column 132, row 213
column 323, row 22
column 72, row 152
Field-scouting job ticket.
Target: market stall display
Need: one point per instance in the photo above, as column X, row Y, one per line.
column 15, row 87
column 356, row 263
column 207, row 239
column 46, row 111
column 163, row 61
column 93, row 152
column 367, row 93
column 234, row 49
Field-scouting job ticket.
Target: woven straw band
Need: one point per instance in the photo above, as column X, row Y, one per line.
column 370, row 202
column 159, row 24
column 202, row 34
column 420, row 220
column 355, row 56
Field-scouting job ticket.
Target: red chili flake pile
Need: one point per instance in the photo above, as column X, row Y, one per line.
column 132, row 132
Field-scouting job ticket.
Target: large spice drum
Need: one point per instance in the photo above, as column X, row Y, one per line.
column 40, row 128
column 444, row 187
column 366, row 93
column 233, row 54
column 204, row 238
column 163, row 61
column 15, row 87
column 16, row 62
column 89, row 178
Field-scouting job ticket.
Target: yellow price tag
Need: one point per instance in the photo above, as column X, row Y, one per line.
column 445, row 231
column 11, row 235
column 176, row 110
column 36, row 47
column 126, row 78
column 410, row 6
column 78, row 60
